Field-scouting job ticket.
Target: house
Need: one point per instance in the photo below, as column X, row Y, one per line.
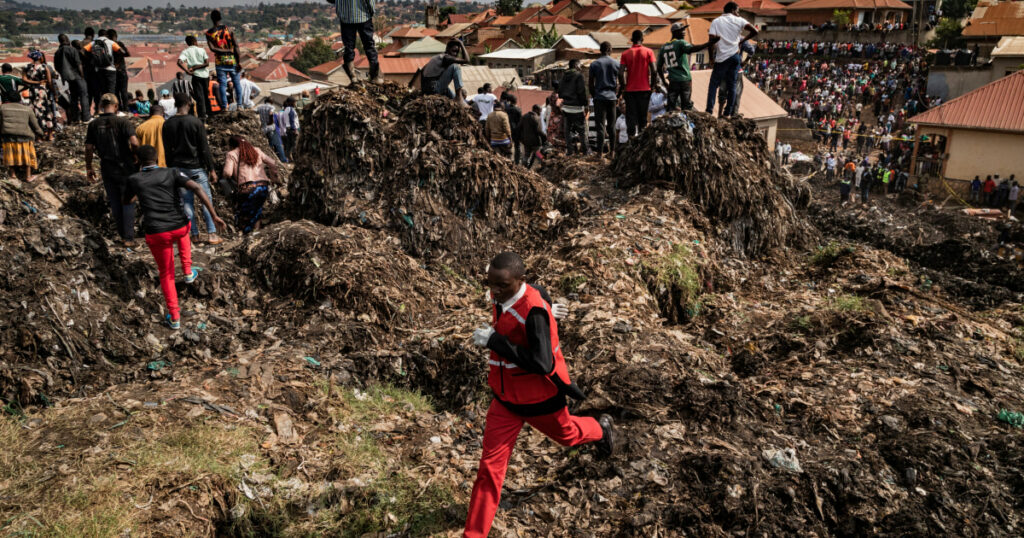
column 861, row 11
column 406, row 34
column 424, row 48
column 590, row 17
column 330, row 73
column 581, row 42
column 992, row 20
column 696, row 33
column 524, row 61
column 456, row 31
column 275, row 74
column 492, row 45
column 398, row 70
column 530, row 14
column 978, row 133
column 654, row 9
column 754, row 105
column 1008, row 56
column 619, row 42
column 756, row 12
column 566, row 8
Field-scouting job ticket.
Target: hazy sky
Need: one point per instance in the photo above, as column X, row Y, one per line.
column 96, row 4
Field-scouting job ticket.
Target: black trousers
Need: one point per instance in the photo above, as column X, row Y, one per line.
column 121, row 89
column 605, row 122
column 348, row 38
column 636, row 111
column 200, row 89
column 106, row 82
column 574, row 130
column 679, row 95
column 78, row 102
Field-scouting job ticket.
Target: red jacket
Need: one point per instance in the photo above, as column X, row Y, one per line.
column 511, row 383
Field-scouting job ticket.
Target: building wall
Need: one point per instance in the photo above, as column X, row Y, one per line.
column 949, row 82
column 973, row 153
column 769, row 128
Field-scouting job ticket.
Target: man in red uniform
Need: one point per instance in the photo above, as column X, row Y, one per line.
column 530, row 381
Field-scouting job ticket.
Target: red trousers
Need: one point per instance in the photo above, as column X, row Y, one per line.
column 162, row 247
column 500, row 435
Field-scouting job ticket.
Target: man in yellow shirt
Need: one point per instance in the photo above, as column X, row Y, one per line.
column 150, row 133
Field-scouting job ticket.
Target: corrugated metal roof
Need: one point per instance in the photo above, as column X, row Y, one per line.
column 394, row 66
column 636, row 19
column 1009, row 46
column 592, row 13
column 455, row 29
column 765, row 7
column 848, row 4
column 427, row 45
column 999, row 19
column 516, row 54
column 996, row 106
column 755, row 104
column 580, row 42
column 618, row 40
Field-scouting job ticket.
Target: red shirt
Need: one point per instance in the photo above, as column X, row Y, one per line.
column 638, row 60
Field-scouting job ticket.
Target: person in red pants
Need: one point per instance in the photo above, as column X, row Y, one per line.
column 530, row 381
column 164, row 221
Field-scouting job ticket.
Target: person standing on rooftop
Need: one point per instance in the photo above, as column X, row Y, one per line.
column 728, row 28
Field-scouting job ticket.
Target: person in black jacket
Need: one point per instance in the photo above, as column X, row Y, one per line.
column 531, row 135
column 515, row 117
column 68, row 63
column 573, row 92
column 186, row 147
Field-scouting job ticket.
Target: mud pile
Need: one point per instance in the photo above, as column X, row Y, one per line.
column 422, row 175
column 726, row 169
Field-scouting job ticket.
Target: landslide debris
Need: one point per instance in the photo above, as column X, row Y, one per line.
column 422, row 176
column 727, row 170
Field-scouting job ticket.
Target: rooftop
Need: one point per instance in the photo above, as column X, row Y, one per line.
column 847, row 4
column 427, row 45
column 995, row 106
column 996, row 19
column 1009, row 46
column 758, row 7
column 516, row 54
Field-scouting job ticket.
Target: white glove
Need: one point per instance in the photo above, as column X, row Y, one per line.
column 560, row 311
column 482, row 335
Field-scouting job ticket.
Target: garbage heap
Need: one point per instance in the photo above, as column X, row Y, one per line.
column 423, row 173
column 726, row 169
column 246, row 123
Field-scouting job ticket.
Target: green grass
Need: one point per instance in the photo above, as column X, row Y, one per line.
column 849, row 303
column 826, row 255
column 678, row 270
column 571, row 283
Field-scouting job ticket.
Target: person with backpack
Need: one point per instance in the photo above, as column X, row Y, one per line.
column 113, row 139
column 120, row 69
column 101, row 53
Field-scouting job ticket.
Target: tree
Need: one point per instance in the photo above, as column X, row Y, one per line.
column 958, row 9
column 508, row 7
column 947, row 34
column 541, row 38
column 841, row 18
column 315, row 52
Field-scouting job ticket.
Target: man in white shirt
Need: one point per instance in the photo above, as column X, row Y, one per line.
column 786, row 150
column 484, row 101
column 194, row 61
column 249, row 91
column 167, row 102
column 728, row 28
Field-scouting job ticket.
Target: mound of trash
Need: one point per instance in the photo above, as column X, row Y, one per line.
column 245, row 123
column 423, row 175
column 727, row 170
column 362, row 272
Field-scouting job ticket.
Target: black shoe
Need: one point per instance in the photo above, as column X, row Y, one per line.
column 606, row 446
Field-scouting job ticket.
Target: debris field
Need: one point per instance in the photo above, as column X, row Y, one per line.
column 776, row 364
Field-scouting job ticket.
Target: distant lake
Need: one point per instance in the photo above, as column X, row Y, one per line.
column 152, row 38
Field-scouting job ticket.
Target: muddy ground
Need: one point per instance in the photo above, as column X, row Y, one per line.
column 789, row 367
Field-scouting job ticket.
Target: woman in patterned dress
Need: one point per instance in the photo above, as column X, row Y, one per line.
column 41, row 95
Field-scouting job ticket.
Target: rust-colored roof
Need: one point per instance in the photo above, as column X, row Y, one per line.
column 1004, row 18
column 592, row 13
column 639, row 19
column 803, row 5
column 551, row 19
column 413, row 31
column 326, row 69
column 623, row 29
column 696, row 34
column 274, row 70
column 995, row 106
column 759, row 7
column 394, row 66
column 529, row 14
